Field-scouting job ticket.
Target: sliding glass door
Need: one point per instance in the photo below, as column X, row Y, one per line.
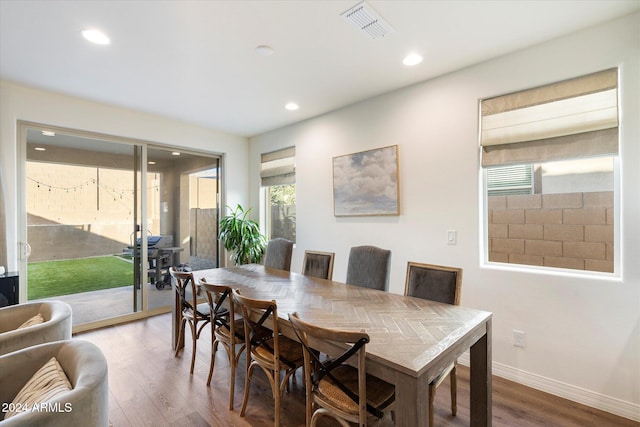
column 105, row 219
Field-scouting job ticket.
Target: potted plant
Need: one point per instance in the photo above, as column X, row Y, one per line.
column 241, row 236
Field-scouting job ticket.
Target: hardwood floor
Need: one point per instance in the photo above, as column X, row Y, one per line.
column 148, row 386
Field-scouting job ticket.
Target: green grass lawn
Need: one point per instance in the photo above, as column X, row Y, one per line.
column 64, row 277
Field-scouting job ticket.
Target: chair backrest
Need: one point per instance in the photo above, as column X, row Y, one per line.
column 368, row 267
column 317, row 368
column 278, row 254
column 257, row 313
column 217, row 295
column 318, row 264
column 57, row 324
column 86, row 368
column 434, row 282
column 185, row 286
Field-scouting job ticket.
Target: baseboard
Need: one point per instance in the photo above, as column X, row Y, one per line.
column 566, row 391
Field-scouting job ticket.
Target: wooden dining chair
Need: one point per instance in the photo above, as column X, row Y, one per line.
column 278, row 254
column 368, row 267
column 339, row 390
column 226, row 329
column 318, row 264
column 441, row 284
column 196, row 315
column 273, row 354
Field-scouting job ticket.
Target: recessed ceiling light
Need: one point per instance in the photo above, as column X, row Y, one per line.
column 175, row 153
column 264, row 50
column 412, row 59
column 292, row 106
column 96, row 36
column 40, row 149
column 151, row 162
column 48, row 133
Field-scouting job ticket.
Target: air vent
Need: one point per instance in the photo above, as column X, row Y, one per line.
column 363, row 17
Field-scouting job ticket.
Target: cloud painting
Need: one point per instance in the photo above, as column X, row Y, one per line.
column 366, row 183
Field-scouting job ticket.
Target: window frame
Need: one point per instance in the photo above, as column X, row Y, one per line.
column 277, row 168
column 618, row 226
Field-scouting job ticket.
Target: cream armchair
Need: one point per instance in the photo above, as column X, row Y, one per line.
column 56, row 325
column 86, row 404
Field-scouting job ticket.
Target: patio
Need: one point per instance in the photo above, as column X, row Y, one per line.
column 107, row 303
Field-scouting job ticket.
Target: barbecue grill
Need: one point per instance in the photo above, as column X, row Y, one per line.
column 161, row 256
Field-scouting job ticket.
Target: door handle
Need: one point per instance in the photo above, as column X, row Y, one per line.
column 24, row 250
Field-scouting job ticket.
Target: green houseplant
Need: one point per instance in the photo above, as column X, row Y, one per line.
column 241, row 236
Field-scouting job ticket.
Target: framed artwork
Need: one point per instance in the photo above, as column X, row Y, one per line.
column 366, row 183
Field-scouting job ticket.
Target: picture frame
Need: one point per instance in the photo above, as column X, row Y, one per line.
column 366, row 183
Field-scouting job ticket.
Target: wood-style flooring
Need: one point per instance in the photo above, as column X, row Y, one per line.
column 148, row 386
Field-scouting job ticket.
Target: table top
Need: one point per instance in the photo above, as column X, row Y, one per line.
column 409, row 334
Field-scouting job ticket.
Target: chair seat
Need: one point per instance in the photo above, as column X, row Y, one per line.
column 379, row 392
column 204, row 311
column 223, row 332
column 290, row 352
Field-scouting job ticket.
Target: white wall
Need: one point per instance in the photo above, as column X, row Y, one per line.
column 28, row 104
column 582, row 333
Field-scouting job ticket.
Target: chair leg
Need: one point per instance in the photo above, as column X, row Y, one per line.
column 195, row 342
column 454, row 391
column 214, row 347
column 247, row 384
column 232, row 379
column 277, row 393
column 432, row 395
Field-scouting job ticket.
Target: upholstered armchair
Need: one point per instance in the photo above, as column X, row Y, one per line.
column 55, row 326
column 85, row 404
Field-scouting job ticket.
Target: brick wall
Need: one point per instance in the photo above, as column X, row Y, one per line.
column 570, row 230
column 204, row 233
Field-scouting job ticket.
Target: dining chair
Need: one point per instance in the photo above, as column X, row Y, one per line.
column 441, row 284
column 278, row 254
column 368, row 267
column 226, row 329
column 318, row 264
column 273, row 354
column 337, row 389
column 196, row 315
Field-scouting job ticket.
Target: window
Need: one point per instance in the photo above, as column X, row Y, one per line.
column 278, row 177
column 509, row 180
column 549, row 157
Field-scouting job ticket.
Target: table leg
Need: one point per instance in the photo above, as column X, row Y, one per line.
column 412, row 401
column 480, row 380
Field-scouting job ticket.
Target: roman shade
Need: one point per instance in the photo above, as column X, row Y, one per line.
column 278, row 167
column 568, row 119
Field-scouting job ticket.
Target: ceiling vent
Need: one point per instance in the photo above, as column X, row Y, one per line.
column 363, row 17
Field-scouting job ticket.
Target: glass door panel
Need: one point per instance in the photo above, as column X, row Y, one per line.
column 82, row 202
column 182, row 217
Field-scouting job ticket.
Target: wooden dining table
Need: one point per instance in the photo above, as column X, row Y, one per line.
column 412, row 339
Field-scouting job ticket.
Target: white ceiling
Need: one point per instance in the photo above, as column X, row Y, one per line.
column 195, row 60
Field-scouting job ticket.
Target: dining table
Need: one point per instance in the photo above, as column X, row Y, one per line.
column 411, row 339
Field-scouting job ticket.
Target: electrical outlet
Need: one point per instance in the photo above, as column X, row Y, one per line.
column 519, row 339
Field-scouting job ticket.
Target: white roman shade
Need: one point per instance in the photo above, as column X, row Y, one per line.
column 572, row 118
column 278, row 167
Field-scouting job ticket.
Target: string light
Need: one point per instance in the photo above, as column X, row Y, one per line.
column 121, row 192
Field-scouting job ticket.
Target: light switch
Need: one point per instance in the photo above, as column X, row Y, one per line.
column 452, row 237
